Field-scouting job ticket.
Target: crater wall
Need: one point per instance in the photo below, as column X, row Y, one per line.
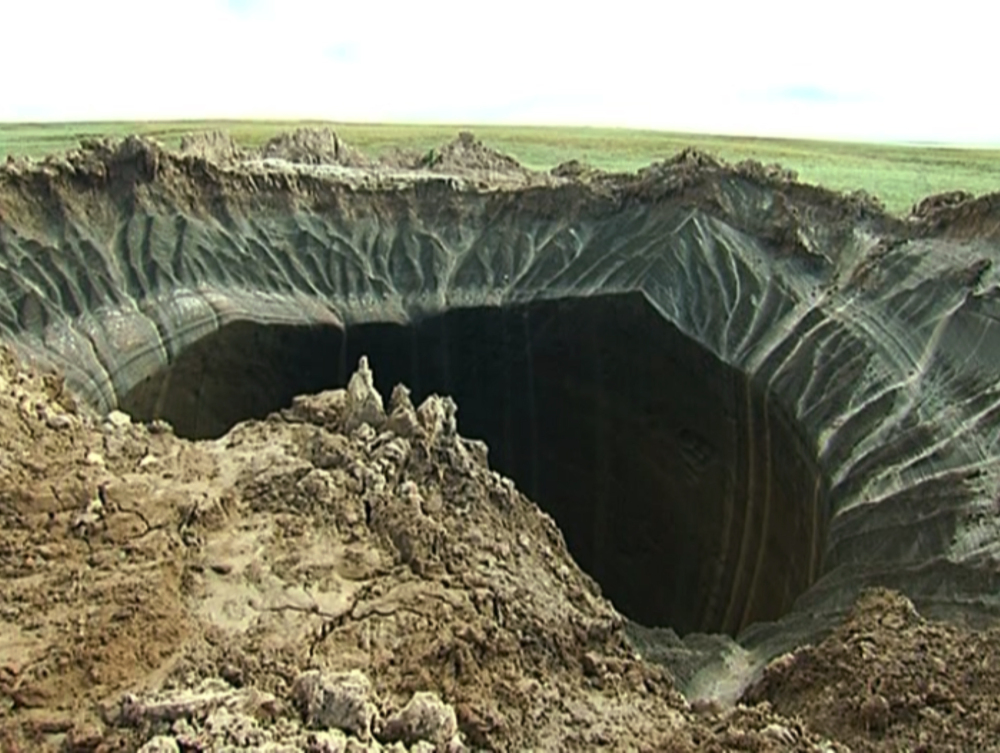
column 858, row 353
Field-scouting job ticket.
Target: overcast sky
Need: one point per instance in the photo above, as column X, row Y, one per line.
column 855, row 69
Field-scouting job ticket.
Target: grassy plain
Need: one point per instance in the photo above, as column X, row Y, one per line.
column 898, row 174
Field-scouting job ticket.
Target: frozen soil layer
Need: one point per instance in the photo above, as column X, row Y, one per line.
column 793, row 390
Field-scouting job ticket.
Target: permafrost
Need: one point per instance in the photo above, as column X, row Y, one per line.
column 743, row 399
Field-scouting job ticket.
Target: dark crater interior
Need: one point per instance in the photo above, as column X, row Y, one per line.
column 679, row 486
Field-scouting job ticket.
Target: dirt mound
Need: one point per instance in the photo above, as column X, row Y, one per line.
column 313, row 146
column 576, row 169
column 771, row 173
column 939, row 202
column 959, row 215
column 466, row 153
column 348, row 575
column 215, row 146
column 889, row 680
column 337, row 556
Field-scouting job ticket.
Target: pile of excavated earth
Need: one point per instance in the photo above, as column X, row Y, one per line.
column 352, row 576
column 349, row 574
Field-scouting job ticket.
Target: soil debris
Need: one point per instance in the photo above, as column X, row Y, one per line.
column 215, row 146
column 313, row 146
column 466, row 153
column 342, row 577
column 888, row 679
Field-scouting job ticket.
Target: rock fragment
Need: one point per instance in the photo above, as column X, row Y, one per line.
column 58, row 421
column 119, row 419
column 208, row 696
column 438, row 416
column 402, row 415
column 161, row 744
column 336, row 701
column 425, row 718
column 326, row 741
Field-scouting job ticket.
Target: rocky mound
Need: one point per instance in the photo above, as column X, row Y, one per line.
column 313, row 146
column 466, row 153
column 215, row 146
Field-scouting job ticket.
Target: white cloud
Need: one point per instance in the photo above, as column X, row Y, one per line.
column 851, row 69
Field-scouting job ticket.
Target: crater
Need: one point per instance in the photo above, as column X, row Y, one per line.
column 743, row 399
column 678, row 485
